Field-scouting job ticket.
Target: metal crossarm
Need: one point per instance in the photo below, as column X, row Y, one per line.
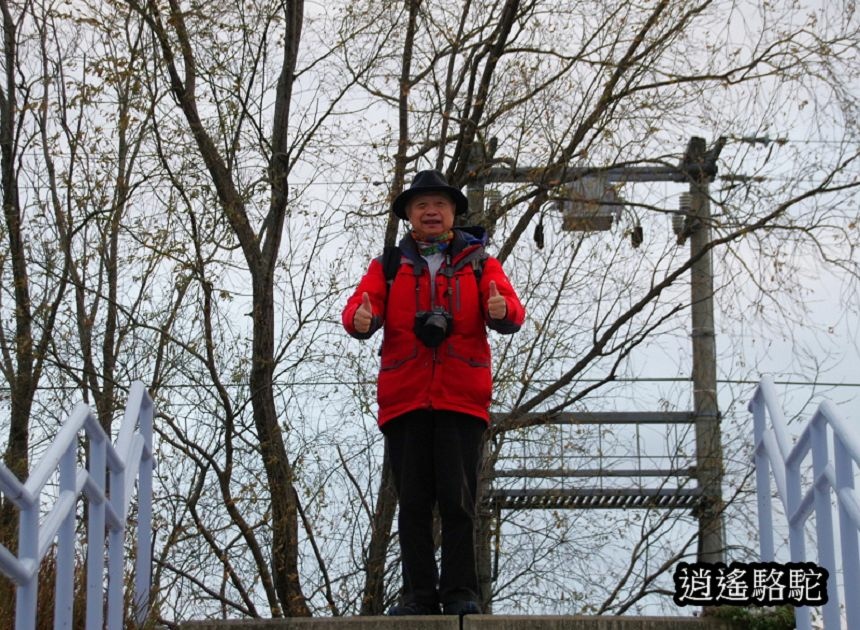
column 595, row 498
column 564, row 473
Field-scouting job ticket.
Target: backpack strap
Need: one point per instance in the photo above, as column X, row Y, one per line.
column 390, row 262
column 476, row 259
column 478, row 265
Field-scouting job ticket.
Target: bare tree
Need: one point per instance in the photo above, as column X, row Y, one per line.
column 263, row 226
column 260, row 246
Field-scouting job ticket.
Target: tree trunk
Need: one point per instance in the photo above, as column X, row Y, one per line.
column 273, row 451
column 373, row 597
column 261, row 258
column 18, row 371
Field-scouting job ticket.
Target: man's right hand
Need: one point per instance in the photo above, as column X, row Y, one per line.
column 363, row 315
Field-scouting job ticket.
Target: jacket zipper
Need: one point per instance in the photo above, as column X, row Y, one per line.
column 432, row 286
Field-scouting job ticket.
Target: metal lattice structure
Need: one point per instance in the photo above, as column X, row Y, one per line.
column 640, row 486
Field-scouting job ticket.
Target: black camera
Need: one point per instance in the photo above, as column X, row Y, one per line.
column 433, row 327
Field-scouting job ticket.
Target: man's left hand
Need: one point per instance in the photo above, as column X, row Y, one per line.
column 497, row 307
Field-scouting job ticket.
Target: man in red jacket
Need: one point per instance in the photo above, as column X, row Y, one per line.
column 435, row 384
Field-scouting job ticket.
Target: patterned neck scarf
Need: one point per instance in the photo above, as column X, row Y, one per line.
column 433, row 244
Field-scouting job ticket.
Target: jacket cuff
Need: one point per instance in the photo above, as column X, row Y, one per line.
column 503, row 326
column 375, row 324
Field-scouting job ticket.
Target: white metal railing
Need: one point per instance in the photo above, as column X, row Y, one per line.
column 830, row 476
column 108, row 487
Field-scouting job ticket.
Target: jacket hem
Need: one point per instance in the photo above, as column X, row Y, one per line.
column 481, row 415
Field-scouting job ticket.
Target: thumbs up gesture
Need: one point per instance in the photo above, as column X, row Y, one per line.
column 497, row 307
column 363, row 315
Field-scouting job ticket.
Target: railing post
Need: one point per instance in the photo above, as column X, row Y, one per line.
column 143, row 564
column 95, row 536
column 824, row 516
column 848, row 531
column 762, row 473
column 797, row 545
column 28, row 544
column 116, row 542
column 64, row 589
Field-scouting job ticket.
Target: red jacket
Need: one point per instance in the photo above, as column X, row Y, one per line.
column 455, row 375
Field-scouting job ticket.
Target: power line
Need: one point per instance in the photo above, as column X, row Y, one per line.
column 661, row 379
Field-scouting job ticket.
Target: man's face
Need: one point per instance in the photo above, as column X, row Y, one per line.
column 431, row 214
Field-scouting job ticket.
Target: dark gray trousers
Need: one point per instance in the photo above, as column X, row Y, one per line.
column 435, row 458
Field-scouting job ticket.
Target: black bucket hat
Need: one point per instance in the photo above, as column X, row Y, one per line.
column 429, row 182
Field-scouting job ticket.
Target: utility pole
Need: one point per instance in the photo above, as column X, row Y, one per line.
column 701, row 167
column 697, row 169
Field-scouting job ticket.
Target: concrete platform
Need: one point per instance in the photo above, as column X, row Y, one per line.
column 470, row 622
column 502, row 622
column 330, row 623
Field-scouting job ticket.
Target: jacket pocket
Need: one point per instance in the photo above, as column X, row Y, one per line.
column 392, row 360
column 476, row 359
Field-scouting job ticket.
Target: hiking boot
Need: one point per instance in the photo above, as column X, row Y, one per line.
column 461, row 607
column 413, row 608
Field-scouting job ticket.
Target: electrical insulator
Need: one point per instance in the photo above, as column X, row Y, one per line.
column 637, row 236
column 685, row 204
column 539, row 233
